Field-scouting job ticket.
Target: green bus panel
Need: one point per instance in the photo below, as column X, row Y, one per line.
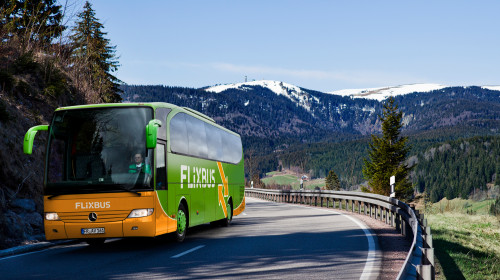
column 199, row 181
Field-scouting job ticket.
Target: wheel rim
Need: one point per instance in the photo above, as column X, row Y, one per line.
column 181, row 222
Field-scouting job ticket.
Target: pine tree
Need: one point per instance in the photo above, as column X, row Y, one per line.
column 388, row 154
column 35, row 22
column 332, row 181
column 97, row 56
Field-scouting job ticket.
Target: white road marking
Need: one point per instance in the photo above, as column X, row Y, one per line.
column 370, row 258
column 24, row 254
column 187, row 252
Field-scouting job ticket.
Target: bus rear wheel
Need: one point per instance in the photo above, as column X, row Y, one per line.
column 182, row 224
column 227, row 221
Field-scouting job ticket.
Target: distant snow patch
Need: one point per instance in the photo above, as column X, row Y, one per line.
column 382, row 93
column 492, row 87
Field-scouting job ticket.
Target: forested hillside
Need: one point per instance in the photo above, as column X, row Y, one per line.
column 453, row 168
column 39, row 73
column 458, row 168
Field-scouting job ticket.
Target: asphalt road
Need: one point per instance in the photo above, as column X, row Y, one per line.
column 268, row 241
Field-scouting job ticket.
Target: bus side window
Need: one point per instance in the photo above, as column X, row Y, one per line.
column 214, row 142
column 178, row 134
column 197, row 139
column 161, row 170
column 161, row 114
column 231, row 148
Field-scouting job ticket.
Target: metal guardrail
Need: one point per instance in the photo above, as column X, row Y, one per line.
column 419, row 263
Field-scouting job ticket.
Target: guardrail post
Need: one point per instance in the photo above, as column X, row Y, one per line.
column 425, row 272
column 427, row 240
column 428, row 256
column 397, row 219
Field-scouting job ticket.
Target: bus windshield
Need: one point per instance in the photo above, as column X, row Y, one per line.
column 99, row 150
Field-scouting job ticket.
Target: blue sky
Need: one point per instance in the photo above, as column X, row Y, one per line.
column 320, row 45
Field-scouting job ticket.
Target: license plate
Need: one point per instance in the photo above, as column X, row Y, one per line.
column 93, row 230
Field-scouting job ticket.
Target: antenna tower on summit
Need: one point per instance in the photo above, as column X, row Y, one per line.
column 245, row 79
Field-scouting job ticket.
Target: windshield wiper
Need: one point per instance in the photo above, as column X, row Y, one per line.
column 80, row 191
column 54, row 195
column 130, row 191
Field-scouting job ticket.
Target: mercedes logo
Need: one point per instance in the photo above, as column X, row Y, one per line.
column 92, row 217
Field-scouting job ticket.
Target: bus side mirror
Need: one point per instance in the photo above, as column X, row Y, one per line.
column 151, row 133
column 29, row 137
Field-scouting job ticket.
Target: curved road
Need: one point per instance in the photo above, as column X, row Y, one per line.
column 268, row 241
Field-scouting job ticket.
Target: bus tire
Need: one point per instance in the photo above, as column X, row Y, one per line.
column 227, row 221
column 95, row 242
column 182, row 223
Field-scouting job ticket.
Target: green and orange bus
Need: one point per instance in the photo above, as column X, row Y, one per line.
column 137, row 169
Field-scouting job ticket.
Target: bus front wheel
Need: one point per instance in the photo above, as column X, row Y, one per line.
column 182, row 224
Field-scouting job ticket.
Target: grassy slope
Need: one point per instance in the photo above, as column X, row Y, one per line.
column 293, row 180
column 465, row 246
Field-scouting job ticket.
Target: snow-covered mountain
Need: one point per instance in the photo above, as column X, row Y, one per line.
column 294, row 93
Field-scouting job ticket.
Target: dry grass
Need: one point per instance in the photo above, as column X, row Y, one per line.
column 466, row 246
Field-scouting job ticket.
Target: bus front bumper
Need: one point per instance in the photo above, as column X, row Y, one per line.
column 130, row 227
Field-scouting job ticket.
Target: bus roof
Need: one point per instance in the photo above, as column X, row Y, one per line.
column 147, row 104
column 153, row 105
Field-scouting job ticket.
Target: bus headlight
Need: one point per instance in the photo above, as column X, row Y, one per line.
column 51, row 217
column 138, row 213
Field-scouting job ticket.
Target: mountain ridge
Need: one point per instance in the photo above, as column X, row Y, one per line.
column 276, row 109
